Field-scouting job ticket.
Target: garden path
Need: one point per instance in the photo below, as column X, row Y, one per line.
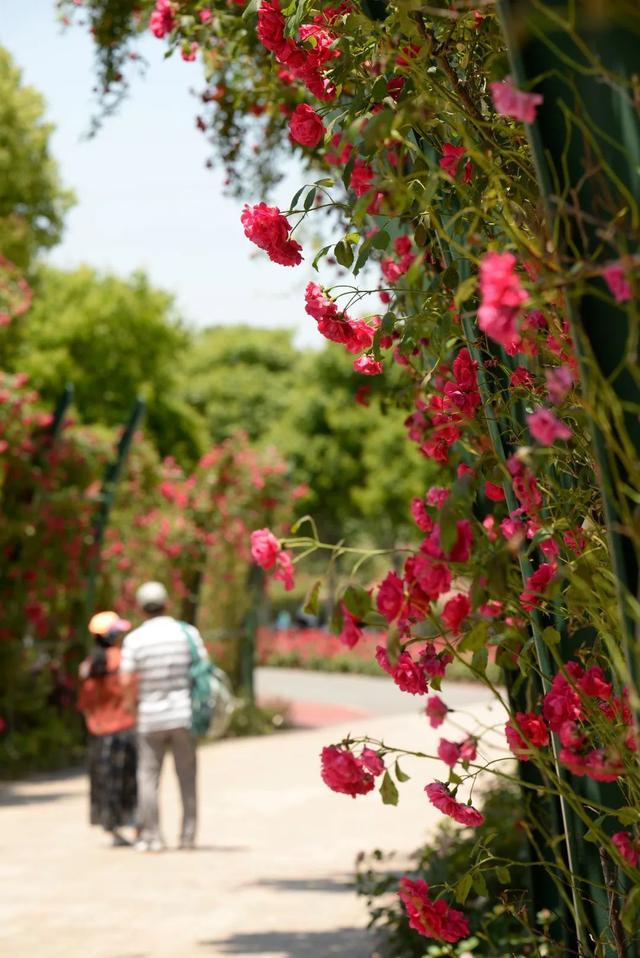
column 271, row 878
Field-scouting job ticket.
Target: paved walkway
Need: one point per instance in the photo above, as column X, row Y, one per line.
column 272, row 877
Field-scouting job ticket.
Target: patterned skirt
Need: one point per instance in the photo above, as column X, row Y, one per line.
column 112, row 777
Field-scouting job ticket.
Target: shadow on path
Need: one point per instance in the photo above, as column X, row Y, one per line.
column 341, row 943
column 9, row 797
column 308, row 884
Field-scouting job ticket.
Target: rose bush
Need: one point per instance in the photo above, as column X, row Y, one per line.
column 491, row 306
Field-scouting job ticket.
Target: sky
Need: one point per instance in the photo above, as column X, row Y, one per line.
column 145, row 199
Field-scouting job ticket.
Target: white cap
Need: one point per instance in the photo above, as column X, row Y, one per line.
column 151, row 594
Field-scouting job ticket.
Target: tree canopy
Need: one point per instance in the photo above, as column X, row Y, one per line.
column 33, row 201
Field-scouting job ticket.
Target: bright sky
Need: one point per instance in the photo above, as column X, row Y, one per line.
column 145, row 199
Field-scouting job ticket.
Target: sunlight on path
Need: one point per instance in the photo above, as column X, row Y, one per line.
column 272, row 876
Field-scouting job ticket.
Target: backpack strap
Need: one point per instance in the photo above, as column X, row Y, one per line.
column 193, row 649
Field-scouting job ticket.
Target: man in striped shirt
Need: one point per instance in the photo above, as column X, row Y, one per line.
column 158, row 654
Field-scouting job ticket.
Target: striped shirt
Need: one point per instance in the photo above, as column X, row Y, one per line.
column 158, row 653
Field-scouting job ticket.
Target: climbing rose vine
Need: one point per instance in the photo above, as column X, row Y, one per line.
column 446, row 278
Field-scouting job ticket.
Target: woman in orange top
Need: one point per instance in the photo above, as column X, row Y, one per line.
column 112, row 745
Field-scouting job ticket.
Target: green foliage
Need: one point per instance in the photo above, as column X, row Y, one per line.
column 240, row 378
column 445, row 861
column 32, row 200
column 114, row 339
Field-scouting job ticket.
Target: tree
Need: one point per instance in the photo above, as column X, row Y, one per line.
column 32, row 200
column 239, row 378
column 114, row 339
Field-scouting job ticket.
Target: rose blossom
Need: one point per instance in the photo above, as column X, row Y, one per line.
column 345, row 773
column 351, row 632
column 448, row 751
column 306, row 126
column 372, row 761
column 368, row 366
column 527, row 729
column 162, row 20
column 493, row 492
column 436, row 711
column 440, row 796
column 510, row 101
column 615, row 279
column 545, row 427
column 455, row 612
column 284, row 570
column 264, row 548
column 630, row 852
column 269, row 229
column 536, row 585
column 559, row 382
column 390, row 597
column 433, row 919
column 501, row 299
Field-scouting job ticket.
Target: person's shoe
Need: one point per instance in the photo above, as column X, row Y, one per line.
column 154, row 845
column 187, row 844
column 118, row 840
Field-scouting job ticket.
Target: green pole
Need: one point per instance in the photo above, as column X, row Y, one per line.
column 110, row 481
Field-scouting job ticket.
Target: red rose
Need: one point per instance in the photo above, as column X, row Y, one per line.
column 306, row 126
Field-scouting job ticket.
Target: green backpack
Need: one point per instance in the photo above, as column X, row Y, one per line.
column 212, row 700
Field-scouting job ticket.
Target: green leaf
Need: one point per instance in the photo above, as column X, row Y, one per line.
column 312, row 599
column 357, row 601
column 294, row 201
column 628, row 815
column 503, row 875
column 400, row 775
column 325, row 181
column 388, row 790
column 250, row 9
column 363, row 256
column 343, row 252
column 550, row 636
column 480, row 885
column 380, row 240
column 480, row 659
column 463, row 888
column 476, row 638
column 630, row 910
column 465, row 290
column 320, row 255
column 337, row 619
column 348, row 170
column 310, row 198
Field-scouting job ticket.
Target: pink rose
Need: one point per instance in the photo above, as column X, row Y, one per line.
column 502, row 297
column 448, row 751
column 455, row 612
column 345, row 773
column 510, row 101
column 271, row 25
column 615, row 279
column 284, row 570
column 372, row 761
column 269, row 229
column 433, row 919
column 351, row 632
column 390, row 597
column 368, row 366
column 545, row 427
column 436, row 711
column 524, row 730
column 264, row 548
column 306, row 126
column 162, row 20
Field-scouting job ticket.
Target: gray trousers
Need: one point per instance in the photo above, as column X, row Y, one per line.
column 151, row 751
